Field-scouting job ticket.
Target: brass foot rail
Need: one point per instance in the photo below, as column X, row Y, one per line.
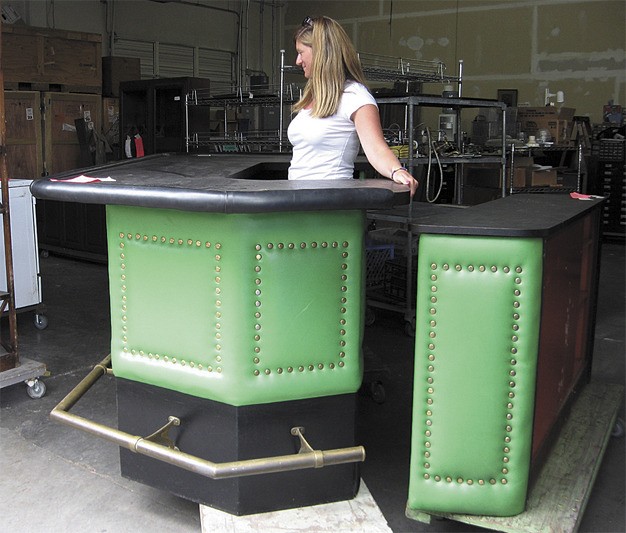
column 160, row 447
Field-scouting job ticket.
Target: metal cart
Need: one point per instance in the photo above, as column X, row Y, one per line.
column 12, row 369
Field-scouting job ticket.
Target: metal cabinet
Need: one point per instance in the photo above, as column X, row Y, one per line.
column 24, row 242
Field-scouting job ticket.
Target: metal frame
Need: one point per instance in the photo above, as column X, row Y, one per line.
column 159, row 446
column 9, row 359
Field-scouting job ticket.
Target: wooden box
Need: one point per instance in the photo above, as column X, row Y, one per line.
column 62, row 149
column 116, row 70
column 43, row 59
column 111, row 124
column 24, row 134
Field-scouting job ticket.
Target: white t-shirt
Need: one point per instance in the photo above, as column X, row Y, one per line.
column 325, row 148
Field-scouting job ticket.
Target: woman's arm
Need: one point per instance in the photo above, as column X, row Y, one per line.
column 367, row 122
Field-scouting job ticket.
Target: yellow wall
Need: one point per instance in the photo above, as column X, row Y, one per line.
column 565, row 45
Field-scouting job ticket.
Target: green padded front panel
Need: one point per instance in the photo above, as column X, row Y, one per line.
column 239, row 308
column 477, row 330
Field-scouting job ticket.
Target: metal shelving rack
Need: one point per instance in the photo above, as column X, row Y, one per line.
column 376, row 68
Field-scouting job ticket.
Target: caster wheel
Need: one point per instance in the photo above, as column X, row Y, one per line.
column 370, row 316
column 41, row 321
column 618, row 429
column 36, row 390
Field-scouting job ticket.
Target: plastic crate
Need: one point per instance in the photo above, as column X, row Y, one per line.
column 376, row 255
column 395, row 283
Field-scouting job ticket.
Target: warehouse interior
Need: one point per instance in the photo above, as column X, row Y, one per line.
column 485, row 101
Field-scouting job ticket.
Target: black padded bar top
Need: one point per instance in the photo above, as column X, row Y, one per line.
column 518, row 215
column 220, row 183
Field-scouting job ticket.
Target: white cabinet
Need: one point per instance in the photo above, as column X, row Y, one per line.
column 27, row 283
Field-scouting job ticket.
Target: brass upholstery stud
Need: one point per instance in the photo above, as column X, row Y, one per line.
column 256, row 372
column 481, row 268
column 470, row 268
column 433, row 266
column 437, row 478
column 506, row 270
column 341, row 364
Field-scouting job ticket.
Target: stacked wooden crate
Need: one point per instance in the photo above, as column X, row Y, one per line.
column 51, row 78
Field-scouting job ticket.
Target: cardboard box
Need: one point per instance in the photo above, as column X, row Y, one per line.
column 36, row 58
column 116, row 70
column 557, row 121
column 521, row 171
column 542, row 178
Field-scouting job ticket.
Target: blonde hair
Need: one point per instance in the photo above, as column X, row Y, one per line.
column 334, row 61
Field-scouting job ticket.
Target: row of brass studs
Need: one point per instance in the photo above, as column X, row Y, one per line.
column 156, row 356
column 170, row 240
column 218, row 310
column 431, row 368
column 302, row 245
column 256, row 360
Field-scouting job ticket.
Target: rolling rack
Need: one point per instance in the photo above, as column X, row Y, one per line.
column 12, row 369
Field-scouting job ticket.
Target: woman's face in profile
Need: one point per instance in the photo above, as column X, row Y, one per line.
column 304, row 58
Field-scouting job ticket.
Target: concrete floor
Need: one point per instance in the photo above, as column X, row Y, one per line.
column 57, row 479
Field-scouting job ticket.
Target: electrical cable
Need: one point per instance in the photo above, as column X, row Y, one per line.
column 432, row 148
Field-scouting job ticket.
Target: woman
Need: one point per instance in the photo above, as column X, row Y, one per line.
column 336, row 110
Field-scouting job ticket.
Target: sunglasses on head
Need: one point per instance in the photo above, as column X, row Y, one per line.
column 307, row 22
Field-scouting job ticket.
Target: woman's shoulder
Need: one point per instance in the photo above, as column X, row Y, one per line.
column 353, row 86
column 358, row 92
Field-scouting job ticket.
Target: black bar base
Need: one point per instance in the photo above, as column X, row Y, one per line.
column 219, row 432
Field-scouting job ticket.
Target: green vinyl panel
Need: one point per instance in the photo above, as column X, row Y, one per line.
column 477, row 334
column 238, row 308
